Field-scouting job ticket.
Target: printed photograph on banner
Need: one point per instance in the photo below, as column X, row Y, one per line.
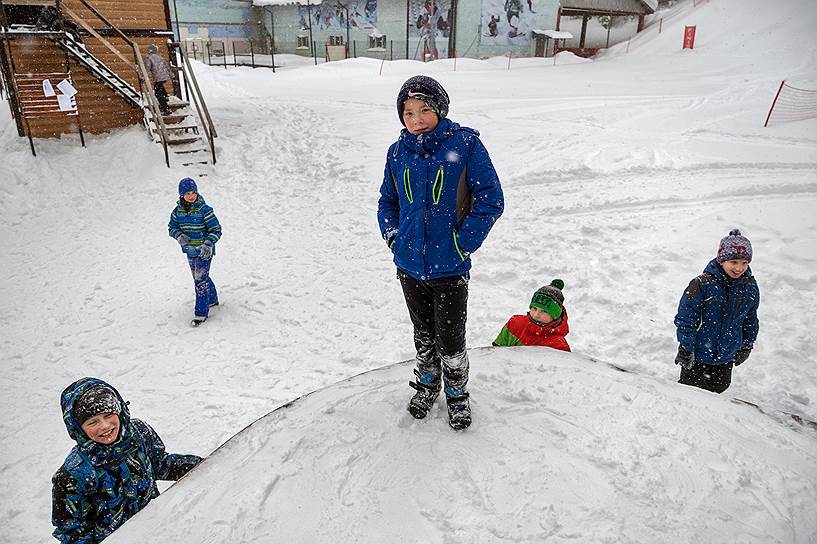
column 508, row 22
column 429, row 29
column 332, row 15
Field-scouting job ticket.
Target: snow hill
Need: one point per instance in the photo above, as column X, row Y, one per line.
column 564, row 449
column 620, row 177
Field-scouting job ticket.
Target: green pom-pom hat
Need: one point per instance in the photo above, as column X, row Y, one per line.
column 549, row 298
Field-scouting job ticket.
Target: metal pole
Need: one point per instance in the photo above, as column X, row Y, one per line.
column 609, row 26
column 311, row 40
column 272, row 49
column 176, row 14
column 347, row 22
column 407, row 29
column 252, row 55
column 235, row 62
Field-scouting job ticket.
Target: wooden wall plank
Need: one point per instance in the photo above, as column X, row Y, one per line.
column 100, row 108
column 145, row 14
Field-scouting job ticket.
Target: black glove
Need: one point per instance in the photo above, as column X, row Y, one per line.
column 741, row 356
column 685, row 358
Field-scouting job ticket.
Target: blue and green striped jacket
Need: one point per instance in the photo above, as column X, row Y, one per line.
column 196, row 220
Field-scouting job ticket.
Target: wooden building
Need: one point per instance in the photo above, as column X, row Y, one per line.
column 76, row 66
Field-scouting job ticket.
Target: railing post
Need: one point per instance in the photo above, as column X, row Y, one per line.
column 209, row 58
column 235, row 61
column 224, row 53
column 252, row 55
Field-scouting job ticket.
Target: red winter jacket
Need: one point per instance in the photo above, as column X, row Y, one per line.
column 521, row 331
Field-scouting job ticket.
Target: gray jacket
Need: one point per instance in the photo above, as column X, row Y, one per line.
column 157, row 68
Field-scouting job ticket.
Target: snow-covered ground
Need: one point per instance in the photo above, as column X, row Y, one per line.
column 620, row 177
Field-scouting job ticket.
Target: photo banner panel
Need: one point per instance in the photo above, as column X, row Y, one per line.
column 331, row 16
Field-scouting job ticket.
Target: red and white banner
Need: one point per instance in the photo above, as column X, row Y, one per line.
column 689, row 37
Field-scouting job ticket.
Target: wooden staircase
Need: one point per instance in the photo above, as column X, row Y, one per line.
column 186, row 134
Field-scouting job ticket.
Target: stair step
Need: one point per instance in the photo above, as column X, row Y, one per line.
column 188, row 151
column 179, row 141
column 178, row 127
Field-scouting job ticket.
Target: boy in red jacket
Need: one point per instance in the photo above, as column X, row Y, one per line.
column 544, row 325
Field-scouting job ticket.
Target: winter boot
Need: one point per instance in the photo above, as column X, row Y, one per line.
column 459, row 412
column 428, row 388
column 198, row 320
column 455, row 374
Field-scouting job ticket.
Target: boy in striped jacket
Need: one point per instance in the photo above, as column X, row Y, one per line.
column 194, row 225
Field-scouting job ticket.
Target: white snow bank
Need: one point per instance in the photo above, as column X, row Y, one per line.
column 562, row 448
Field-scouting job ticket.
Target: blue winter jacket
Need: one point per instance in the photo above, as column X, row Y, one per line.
column 439, row 198
column 100, row 486
column 197, row 220
column 717, row 315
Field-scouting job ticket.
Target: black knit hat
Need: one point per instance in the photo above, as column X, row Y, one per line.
column 549, row 298
column 97, row 400
column 426, row 89
column 734, row 247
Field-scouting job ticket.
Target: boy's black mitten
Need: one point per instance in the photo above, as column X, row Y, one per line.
column 685, row 358
column 741, row 356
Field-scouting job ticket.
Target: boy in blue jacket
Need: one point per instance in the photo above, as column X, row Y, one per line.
column 717, row 317
column 195, row 226
column 439, row 198
column 111, row 473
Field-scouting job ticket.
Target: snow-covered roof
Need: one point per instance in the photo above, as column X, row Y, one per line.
column 274, row 2
column 556, row 34
column 376, row 34
column 625, row 6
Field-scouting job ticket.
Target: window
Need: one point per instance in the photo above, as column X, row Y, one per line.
column 377, row 42
column 335, row 40
column 303, row 42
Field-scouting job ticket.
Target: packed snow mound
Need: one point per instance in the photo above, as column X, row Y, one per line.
column 563, row 448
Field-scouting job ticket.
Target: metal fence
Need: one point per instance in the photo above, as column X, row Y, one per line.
column 256, row 53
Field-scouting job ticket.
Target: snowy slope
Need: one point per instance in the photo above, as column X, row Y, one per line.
column 564, row 449
column 620, row 177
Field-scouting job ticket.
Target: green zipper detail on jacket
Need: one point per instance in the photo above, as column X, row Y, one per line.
column 437, row 188
column 457, row 246
column 407, row 185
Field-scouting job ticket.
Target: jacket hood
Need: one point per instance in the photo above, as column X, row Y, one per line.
column 429, row 142
column 72, row 394
column 714, row 268
column 559, row 326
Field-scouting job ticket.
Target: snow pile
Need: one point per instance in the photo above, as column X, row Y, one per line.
column 563, row 448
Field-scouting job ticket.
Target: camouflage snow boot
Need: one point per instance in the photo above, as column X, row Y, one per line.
column 455, row 374
column 428, row 388
column 459, row 412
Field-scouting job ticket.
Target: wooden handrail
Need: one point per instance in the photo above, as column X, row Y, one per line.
column 198, row 101
column 192, row 77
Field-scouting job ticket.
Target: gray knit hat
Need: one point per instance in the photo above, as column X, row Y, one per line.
column 549, row 298
column 734, row 247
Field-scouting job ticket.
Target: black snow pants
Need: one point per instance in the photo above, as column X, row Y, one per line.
column 715, row 378
column 438, row 311
column 161, row 96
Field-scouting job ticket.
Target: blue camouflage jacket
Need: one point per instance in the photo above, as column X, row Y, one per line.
column 99, row 486
column 439, row 198
column 196, row 220
column 717, row 315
